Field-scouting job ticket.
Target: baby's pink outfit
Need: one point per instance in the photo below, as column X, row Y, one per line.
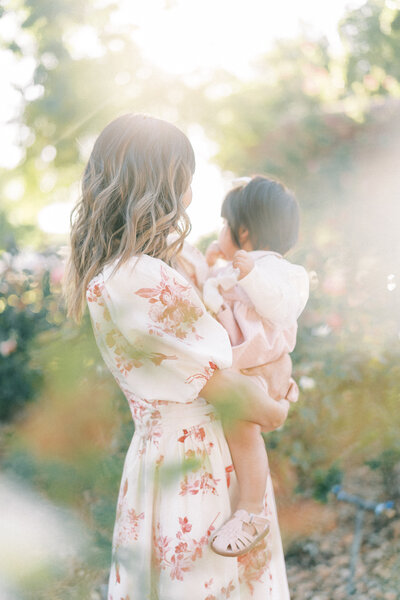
column 259, row 311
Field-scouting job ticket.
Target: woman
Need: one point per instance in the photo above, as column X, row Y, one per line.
column 164, row 349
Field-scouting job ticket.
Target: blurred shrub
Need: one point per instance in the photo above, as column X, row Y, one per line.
column 205, row 240
column 387, row 464
column 347, row 414
column 324, row 480
column 29, row 285
column 70, row 444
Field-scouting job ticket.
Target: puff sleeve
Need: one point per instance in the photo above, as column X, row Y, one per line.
column 154, row 332
column 278, row 289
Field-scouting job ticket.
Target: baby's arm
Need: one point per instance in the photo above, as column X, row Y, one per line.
column 213, row 252
column 277, row 289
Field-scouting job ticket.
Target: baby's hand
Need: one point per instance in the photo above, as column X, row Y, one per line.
column 213, row 252
column 242, row 261
column 293, row 391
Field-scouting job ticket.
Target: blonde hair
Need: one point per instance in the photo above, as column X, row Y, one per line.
column 131, row 200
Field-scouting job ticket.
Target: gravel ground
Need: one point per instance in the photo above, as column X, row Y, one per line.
column 318, row 566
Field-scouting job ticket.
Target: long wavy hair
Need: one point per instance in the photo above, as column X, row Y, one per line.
column 131, row 200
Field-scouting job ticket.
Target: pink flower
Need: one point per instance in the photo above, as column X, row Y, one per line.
column 334, row 284
column 181, row 547
column 56, row 274
column 200, row 434
column 166, row 296
column 184, row 436
column 177, row 570
column 185, row 525
column 227, row 591
column 335, row 321
column 8, row 346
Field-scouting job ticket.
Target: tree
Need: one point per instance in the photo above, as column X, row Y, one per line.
column 371, row 34
column 282, row 121
column 87, row 72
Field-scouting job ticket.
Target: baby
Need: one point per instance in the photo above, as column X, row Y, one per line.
column 258, row 296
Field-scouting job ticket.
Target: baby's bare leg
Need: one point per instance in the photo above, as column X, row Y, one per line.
column 251, row 464
column 277, row 375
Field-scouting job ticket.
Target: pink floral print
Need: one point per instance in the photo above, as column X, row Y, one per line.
column 205, row 374
column 178, row 555
column 193, row 484
column 224, row 592
column 172, row 311
column 253, row 566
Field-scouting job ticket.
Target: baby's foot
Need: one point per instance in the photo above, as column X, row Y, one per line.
column 250, row 508
column 240, row 533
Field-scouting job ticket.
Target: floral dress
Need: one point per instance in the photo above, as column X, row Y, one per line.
column 178, row 481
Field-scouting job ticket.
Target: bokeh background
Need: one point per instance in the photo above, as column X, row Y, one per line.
column 307, row 92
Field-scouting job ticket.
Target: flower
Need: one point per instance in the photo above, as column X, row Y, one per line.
column 166, row 296
column 185, row 525
column 8, row 346
column 334, row 284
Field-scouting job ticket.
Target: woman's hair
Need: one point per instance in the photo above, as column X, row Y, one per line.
column 267, row 209
column 131, row 200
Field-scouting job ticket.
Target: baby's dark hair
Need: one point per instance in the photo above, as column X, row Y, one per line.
column 268, row 210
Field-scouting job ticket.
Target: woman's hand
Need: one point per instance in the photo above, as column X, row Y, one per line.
column 237, row 397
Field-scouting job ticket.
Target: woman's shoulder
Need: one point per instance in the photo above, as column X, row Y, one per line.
column 147, row 277
column 136, row 267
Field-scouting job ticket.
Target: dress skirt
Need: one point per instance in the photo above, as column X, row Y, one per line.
column 178, row 486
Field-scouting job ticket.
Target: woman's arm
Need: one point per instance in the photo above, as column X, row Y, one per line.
column 236, row 397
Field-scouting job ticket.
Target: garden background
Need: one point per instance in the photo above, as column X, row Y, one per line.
column 325, row 121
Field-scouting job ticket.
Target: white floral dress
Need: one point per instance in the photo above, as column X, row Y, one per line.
column 178, row 481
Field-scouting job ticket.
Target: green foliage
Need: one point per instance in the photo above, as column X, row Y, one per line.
column 346, row 415
column 388, row 463
column 27, row 307
column 324, row 480
column 7, row 235
column 372, row 36
column 277, row 123
column 79, row 90
column 205, row 240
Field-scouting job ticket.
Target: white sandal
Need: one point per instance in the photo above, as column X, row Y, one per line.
column 232, row 540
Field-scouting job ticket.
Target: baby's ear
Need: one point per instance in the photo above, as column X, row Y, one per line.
column 243, row 235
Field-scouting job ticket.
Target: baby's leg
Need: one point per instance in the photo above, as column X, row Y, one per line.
column 277, row 374
column 251, row 464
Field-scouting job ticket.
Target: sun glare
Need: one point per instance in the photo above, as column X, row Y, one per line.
column 184, row 37
column 187, row 35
